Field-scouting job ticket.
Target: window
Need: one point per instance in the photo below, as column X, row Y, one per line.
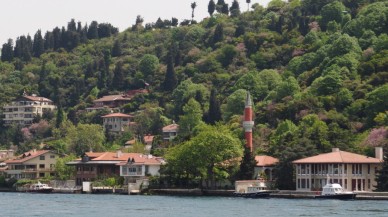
column 41, row 174
column 41, row 166
column 41, row 157
column 52, row 156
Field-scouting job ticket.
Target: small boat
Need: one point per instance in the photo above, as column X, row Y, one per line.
column 335, row 191
column 257, row 190
column 40, row 188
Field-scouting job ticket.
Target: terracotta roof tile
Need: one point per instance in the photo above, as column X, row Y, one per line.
column 171, row 127
column 117, row 115
column 264, row 160
column 338, row 157
column 27, row 156
column 110, row 98
column 123, row 158
column 37, row 98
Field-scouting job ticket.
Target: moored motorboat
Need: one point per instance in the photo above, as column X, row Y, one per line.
column 257, row 189
column 335, row 191
column 40, row 188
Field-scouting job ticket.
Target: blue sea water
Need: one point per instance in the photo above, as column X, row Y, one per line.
column 82, row 205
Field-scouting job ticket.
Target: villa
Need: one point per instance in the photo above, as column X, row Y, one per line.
column 353, row 172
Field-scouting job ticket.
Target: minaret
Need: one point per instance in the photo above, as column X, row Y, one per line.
column 248, row 122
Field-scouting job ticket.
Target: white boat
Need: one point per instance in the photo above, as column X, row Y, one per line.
column 335, row 191
column 40, row 188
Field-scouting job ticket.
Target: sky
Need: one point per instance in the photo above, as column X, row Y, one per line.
column 23, row 17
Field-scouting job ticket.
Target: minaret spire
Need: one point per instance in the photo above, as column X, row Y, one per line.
column 248, row 121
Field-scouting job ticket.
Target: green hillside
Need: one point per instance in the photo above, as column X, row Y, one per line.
column 317, row 72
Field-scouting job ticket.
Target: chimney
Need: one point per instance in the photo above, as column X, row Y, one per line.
column 335, row 150
column 379, row 153
column 119, row 153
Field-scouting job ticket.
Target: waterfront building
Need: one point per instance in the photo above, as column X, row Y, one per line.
column 352, row 171
column 170, row 131
column 131, row 166
column 32, row 165
column 265, row 166
column 25, row 108
column 116, row 122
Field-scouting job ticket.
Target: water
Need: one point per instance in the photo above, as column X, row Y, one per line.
column 77, row 205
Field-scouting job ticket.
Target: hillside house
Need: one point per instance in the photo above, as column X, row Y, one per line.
column 170, row 132
column 116, row 122
column 24, row 109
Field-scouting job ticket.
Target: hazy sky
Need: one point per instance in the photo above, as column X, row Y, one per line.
column 22, row 17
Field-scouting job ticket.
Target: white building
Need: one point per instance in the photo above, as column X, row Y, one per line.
column 353, row 172
column 23, row 109
column 116, row 122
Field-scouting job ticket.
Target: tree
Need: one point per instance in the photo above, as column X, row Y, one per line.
column 214, row 113
column 148, row 66
column 211, row 7
column 93, row 30
column 382, row 176
column 332, row 12
column 235, row 9
column 63, row 171
column 116, row 49
column 118, row 76
column 85, row 137
column 247, row 166
column 220, row 4
column 193, row 6
column 170, row 80
column 192, row 117
column 208, row 156
column 218, row 34
column 7, row 51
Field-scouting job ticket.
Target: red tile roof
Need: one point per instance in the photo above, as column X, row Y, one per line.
column 171, row 127
column 37, row 98
column 110, row 98
column 117, row 115
column 264, row 160
column 147, row 139
column 123, row 157
column 338, row 157
column 27, row 156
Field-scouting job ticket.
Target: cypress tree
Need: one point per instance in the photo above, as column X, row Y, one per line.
column 247, row 166
column 214, row 114
column 7, row 51
column 218, row 34
column 382, row 176
column 116, row 49
column 38, row 44
column 60, row 117
column 235, row 9
column 211, row 7
column 93, row 30
column 170, row 80
column 118, row 76
column 48, row 41
column 57, row 38
column 225, row 9
column 220, row 4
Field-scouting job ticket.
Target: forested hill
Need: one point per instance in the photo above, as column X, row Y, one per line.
column 317, row 72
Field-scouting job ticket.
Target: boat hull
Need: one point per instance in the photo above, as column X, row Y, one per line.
column 45, row 191
column 253, row 195
column 350, row 196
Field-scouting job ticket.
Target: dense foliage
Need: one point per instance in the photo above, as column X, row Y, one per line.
column 317, row 71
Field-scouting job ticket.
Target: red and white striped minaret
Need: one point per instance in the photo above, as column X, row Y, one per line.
column 248, row 122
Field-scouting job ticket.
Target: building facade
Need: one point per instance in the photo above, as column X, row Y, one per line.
column 170, row 132
column 116, row 122
column 353, row 172
column 24, row 109
column 96, row 165
column 32, row 165
column 265, row 167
